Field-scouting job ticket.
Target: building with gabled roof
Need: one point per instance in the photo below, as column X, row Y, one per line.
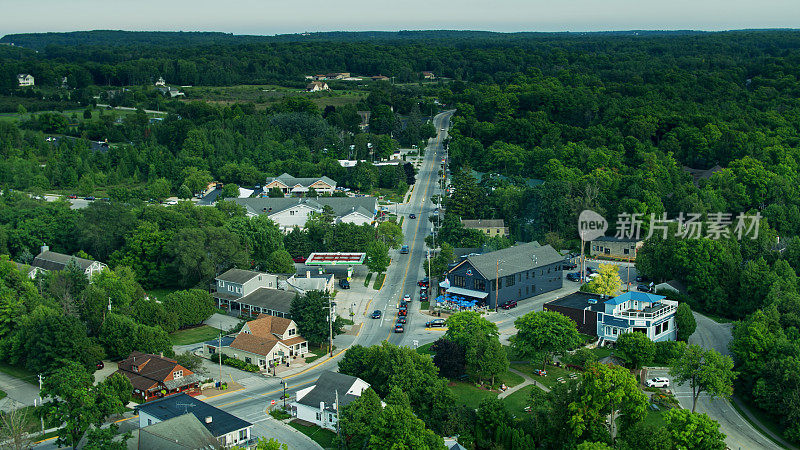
column 321, row 403
column 154, row 376
column 489, row 227
column 316, row 86
column 510, row 274
column 53, row 261
column 184, row 432
column 288, row 213
column 25, row 79
column 294, row 185
column 226, row 428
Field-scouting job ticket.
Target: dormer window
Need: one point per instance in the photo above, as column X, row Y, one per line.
column 177, row 374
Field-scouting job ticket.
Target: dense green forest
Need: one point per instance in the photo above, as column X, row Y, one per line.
column 546, row 125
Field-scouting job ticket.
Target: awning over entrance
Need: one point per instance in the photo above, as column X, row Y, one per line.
column 467, row 292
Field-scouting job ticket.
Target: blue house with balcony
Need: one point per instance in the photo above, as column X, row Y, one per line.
column 630, row 312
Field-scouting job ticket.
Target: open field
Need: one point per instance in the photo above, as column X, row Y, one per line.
column 194, row 335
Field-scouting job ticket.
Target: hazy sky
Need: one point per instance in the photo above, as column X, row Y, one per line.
column 289, row 16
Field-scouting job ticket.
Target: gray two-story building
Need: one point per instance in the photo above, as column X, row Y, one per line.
column 511, row 274
column 249, row 293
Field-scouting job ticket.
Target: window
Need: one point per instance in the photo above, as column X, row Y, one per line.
column 319, row 416
column 291, row 213
column 212, row 350
column 459, row 281
column 149, row 421
column 220, row 283
column 625, row 251
column 330, row 417
column 499, row 283
column 527, row 274
column 527, row 288
column 510, row 280
column 614, row 331
column 607, row 251
column 243, row 434
column 177, row 374
column 665, row 326
column 492, row 285
column 519, row 277
column 548, row 270
column 480, row 285
column 292, row 331
column 248, row 360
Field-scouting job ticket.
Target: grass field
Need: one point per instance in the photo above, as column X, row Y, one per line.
column 655, row 417
column 425, row 349
column 19, row 372
column 159, row 294
column 194, row 335
column 318, row 353
column 467, row 394
column 263, row 95
column 553, row 373
column 517, row 401
column 366, row 280
column 424, row 306
column 321, row 436
column 379, row 281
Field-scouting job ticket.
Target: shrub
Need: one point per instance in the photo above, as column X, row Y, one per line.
column 666, row 351
column 237, row 363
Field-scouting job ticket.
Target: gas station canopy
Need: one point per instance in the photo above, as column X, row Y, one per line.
column 335, row 259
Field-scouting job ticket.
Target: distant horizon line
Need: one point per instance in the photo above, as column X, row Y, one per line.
column 465, row 30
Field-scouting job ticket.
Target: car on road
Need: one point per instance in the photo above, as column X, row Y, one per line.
column 442, row 129
column 434, row 323
column 399, row 328
column 406, row 298
column 89, row 198
column 509, row 304
column 401, row 319
column 423, row 282
column 403, row 304
column 412, row 216
column 299, row 259
column 73, row 196
column 376, row 314
column 540, row 372
column 644, row 288
column 657, row 382
column 344, row 284
column 574, row 276
column 171, row 202
column 423, row 296
column 642, row 278
column 569, row 266
column 402, row 311
column 404, row 250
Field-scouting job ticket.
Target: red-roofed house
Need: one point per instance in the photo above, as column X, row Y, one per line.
column 154, row 376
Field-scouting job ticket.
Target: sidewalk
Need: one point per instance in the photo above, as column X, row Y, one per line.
column 527, row 382
column 761, row 426
column 19, row 392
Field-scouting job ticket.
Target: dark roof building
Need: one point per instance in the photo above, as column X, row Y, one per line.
column 238, row 276
column 184, row 432
column 156, row 376
column 225, row 427
column 511, row 274
column 322, row 402
column 54, row 261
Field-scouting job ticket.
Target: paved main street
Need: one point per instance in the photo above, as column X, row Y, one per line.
column 252, row 401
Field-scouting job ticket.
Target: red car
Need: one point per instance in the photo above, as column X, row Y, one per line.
column 402, row 312
column 540, row 372
column 299, row 259
column 423, row 282
column 509, row 304
column 73, row 196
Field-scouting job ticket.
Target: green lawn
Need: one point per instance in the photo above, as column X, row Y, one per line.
column 509, row 378
column 19, row 372
column 159, row 294
column 321, row 436
column 602, row 352
column 553, row 373
column 379, row 281
column 366, row 280
column 425, row 349
column 655, row 417
column 317, row 353
column 424, row 306
column 467, row 394
column 194, row 335
column 517, row 401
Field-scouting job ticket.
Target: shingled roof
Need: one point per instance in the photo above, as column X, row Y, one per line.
column 326, row 389
column 220, row 423
column 268, row 326
column 147, row 372
column 48, row 260
column 238, row 276
column 254, row 344
column 515, row 259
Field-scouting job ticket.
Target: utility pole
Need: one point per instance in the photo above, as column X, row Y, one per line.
column 497, row 286
column 583, row 263
column 283, row 381
column 337, row 412
column 330, row 326
column 219, row 353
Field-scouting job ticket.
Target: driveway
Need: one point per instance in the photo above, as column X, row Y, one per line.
column 18, row 392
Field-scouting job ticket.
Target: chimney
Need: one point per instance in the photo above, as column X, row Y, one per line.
column 44, row 248
column 209, row 419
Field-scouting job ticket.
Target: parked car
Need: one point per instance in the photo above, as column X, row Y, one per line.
column 574, row 276
column 423, row 282
column 509, row 304
column 540, row 372
column 401, row 319
column 376, row 314
column 299, row 259
column 434, row 323
column 100, row 365
column 404, row 250
column 344, row 284
column 73, row 196
column 644, row 288
column 403, row 304
column 657, row 382
column 569, row 266
column 423, row 296
column 89, row 198
column 406, row 298
column 423, row 288
column 402, row 311
column 398, row 328
column 412, row 216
